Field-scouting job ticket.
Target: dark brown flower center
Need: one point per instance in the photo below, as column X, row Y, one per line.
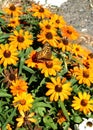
column 58, row 88
column 85, row 74
column 84, row 102
column 13, row 22
column 57, row 21
column 12, row 8
column 65, row 41
column 77, row 49
column 90, row 55
column 7, row 54
column 49, row 35
column 34, row 57
column 69, row 32
column 12, row 77
column 89, row 123
column 49, row 64
column 23, row 102
column 41, row 10
column 48, row 26
column 20, row 39
column 86, row 64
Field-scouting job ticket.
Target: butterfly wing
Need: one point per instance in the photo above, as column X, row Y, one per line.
column 45, row 53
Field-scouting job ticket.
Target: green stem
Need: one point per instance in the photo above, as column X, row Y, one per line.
column 64, row 109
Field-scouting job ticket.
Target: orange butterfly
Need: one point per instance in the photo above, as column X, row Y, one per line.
column 45, row 54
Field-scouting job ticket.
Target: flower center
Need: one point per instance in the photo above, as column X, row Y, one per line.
column 34, row 57
column 49, row 35
column 49, row 64
column 57, row 21
column 89, row 123
column 85, row 74
column 69, row 32
column 7, row 54
column 86, row 64
column 90, row 55
column 84, row 102
column 18, row 87
column 48, row 26
column 20, row 39
column 13, row 22
column 58, row 88
column 12, row 7
column 41, row 10
column 12, row 77
column 77, row 49
column 23, row 102
column 65, row 41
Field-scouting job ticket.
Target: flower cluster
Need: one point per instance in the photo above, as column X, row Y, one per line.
column 45, row 74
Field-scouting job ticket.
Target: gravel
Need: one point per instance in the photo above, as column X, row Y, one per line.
column 79, row 14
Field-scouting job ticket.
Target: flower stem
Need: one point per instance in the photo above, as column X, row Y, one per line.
column 64, row 109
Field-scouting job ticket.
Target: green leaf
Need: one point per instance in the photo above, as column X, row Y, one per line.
column 32, row 79
column 21, row 65
column 66, row 125
column 4, row 94
column 9, row 119
column 49, row 122
column 28, row 69
column 40, row 104
column 63, row 109
column 77, row 119
column 4, row 36
column 41, row 111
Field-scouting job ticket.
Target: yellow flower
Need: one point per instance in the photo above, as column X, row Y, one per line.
column 23, row 102
column 51, row 67
column 64, row 44
column 13, row 11
column 32, row 60
column 60, row 117
column 58, row 89
column 58, row 21
column 48, row 36
column 21, row 39
column 77, row 49
column 84, row 75
column 47, row 25
column 83, row 103
column 8, row 55
column 88, row 63
column 14, row 22
column 8, row 127
column 18, row 87
column 69, row 32
column 39, row 11
column 25, row 118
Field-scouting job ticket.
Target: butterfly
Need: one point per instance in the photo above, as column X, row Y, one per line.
column 45, row 54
